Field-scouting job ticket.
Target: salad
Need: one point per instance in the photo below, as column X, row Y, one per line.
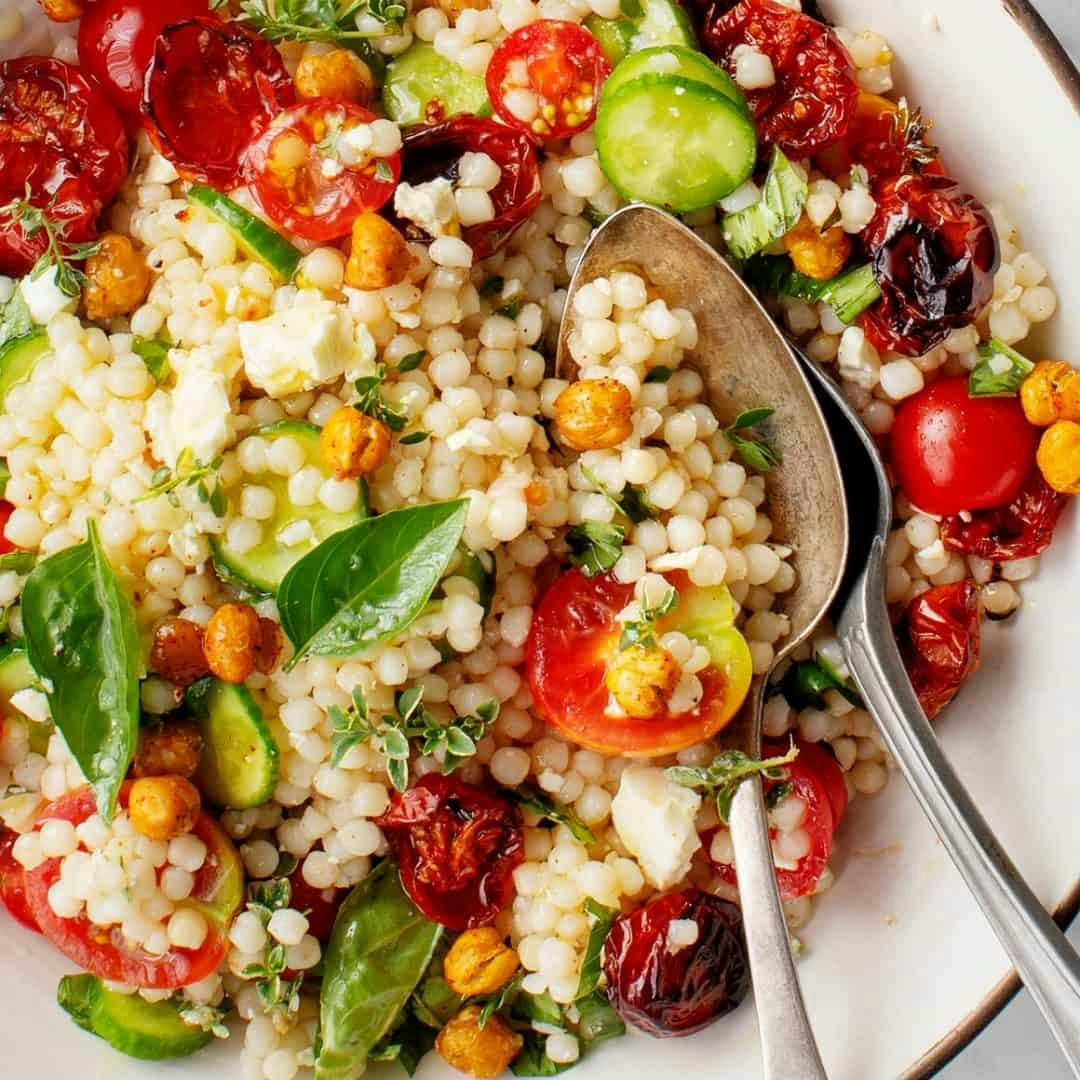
column 361, row 683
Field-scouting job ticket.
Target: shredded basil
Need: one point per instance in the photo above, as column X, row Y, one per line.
column 849, row 294
column 746, row 232
column 1000, row 371
column 758, row 454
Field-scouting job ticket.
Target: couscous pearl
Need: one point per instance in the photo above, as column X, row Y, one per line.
column 288, row 926
column 57, row 838
column 187, row 929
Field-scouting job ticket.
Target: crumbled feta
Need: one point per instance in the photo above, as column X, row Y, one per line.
column 858, row 359
column 44, row 297
column 753, row 68
column 353, row 146
column 430, row 205
column 200, row 412
column 655, row 821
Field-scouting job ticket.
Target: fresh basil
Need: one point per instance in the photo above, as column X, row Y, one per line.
column 406, row 1044
column 538, row 803
column 412, row 361
column 82, row 642
column 849, row 294
column 758, row 454
column 15, row 318
column 999, row 372
column 413, row 438
column 594, row 951
column 499, row 1000
column 746, row 232
column 154, row 353
column 365, row 584
column 631, row 502
column 595, row 546
column 533, row 1059
column 599, row 1020
column 659, row 374
column 378, row 952
column 539, row 1009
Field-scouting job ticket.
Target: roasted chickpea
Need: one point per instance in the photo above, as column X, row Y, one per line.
column 64, row 10
column 117, row 278
column 271, row 646
column 379, row 257
column 177, row 653
column 337, row 74
column 594, row 414
column 642, row 679
column 1051, row 392
column 483, row 1052
column 232, row 641
column 353, row 443
column 820, row 255
column 479, row 963
column 168, row 749
column 161, row 807
column 1059, row 456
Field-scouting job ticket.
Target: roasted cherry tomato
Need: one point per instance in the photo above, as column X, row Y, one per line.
column 5, row 512
column 217, row 895
column 321, row 905
column 556, row 68
column 61, row 139
column 305, row 177
column 457, row 846
column 1018, row 531
column 815, row 94
column 934, row 251
column 574, row 636
column 211, row 88
column 939, row 641
column 818, row 781
column 667, row 990
column 952, row 452
column 13, row 885
column 435, row 150
column 116, row 42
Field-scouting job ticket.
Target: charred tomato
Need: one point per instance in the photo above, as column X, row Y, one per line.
column 13, row 885
column 321, row 905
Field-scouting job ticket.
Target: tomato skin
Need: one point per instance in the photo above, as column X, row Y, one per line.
column 457, row 846
column 211, row 88
column 321, row 905
column 559, row 58
column 6, row 510
column 116, row 44
column 13, row 885
column 952, row 452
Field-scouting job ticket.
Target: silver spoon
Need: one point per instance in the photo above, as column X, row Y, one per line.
column 745, row 362
column 1042, row 955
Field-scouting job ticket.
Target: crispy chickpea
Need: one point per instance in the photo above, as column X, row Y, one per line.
column 820, row 255
column 452, row 9
column 64, row 10
column 353, row 443
column 162, row 807
column 479, row 963
column 232, row 641
column 1059, row 456
column 642, row 679
column 594, row 414
column 1051, row 392
column 483, row 1052
column 177, row 653
column 117, row 278
column 337, row 74
column 379, row 257
column 168, row 749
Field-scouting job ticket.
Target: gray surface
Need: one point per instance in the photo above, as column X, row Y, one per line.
column 1018, row 1043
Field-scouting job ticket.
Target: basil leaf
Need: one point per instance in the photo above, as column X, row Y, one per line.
column 999, row 372
column 365, row 584
column 539, row 1009
column 538, row 803
column 594, row 951
column 500, row 999
column 154, row 353
column 599, row 1020
column 533, row 1059
column 413, row 438
column 379, row 950
column 757, row 454
column 412, row 361
column 15, row 318
column 83, row 644
column 407, row 1045
column 746, row 232
column 595, row 546
column 849, row 293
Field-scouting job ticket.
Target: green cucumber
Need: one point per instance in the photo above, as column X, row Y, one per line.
column 261, row 569
column 16, row 674
column 239, row 763
column 143, row 1029
column 674, row 60
column 642, row 26
column 614, row 35
column 254, row 237
column 421, row 82
column 679, row 144
column 17, row 360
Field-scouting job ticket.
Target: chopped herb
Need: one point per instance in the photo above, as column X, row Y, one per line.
column 533, row 1060
column 277, row 994
column 594, row 216
column 538, row 803
column 154, row 353
column 599, row 1020
column 15, row 318
column 372, row 402
column 604, row 918
column 642, row 630
column 266, row 897
column 413, row 438
column 208, row 1017
column 491, row 286
column 776, row 795
column 595, row 546
column 999, row 372
column 746, row 232
column 498, row 1001
column 383, row 171
column 510, row 310
column 849, row 294
column 757, row 454
column 659, row 374
column 189, row 472
column 412, row 361
column 319, row 20
column 632, row 502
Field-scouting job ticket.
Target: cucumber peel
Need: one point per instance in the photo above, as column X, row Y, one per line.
column 18, row 358
column 674, row 60
column 421, row 82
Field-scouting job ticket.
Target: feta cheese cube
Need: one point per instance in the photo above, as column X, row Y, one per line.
column 45, row 298
column 430, row 205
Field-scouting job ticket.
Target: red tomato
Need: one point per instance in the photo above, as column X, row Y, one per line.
column 815, row 94
column 5, row 512
column 815, row 778
column 217, row 895
column 61, row 138
column 457, row 846
column 116, row 43
column 321, row 905
column 560, row 63
column 574, row 635
column 211, row 88
column 952, row 452
column 286, row 168
column 433, row 150
column 13, row 885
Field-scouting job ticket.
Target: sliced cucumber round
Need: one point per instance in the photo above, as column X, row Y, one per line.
column 260, row 569
column 17, row 360
column 420, row 82
column 614, row 35
column 675, row 143
column 664, row 23
column 239, row 763
column 674, row 60
column 254, row 237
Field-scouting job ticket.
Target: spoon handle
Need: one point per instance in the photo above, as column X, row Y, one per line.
column 1042, row 955
column 788, row 1049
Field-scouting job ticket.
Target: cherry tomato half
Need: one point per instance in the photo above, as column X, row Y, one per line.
column 6, row 510
column 60, row 137
column 116, row 43
column 211, row 88
column 953, row 452
column 457, row 846
column 13, row 885
column 299, row 175
column 217, row 895
column 574, row 635
column 321, row 905
column 545, row 79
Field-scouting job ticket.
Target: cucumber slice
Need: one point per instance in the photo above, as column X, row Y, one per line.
column 674, row 60
column 152, row 1031
column 261, row 569
column 664, row 23
column 16, row 674
column 254, row 237
column 420, row 78
column 17, row 360
column 239, row 763
column 679, row 144
column 614, row 35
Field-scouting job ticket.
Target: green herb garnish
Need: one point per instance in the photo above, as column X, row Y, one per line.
column 1000, row 371
column 749, row 231
column 595, row 546
column 538, row 803
column 756, row 453
column 849, row 294
column 642, row 630
column 154, row 353
column 189, row 472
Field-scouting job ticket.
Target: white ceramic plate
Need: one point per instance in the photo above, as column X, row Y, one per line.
column 900, row 969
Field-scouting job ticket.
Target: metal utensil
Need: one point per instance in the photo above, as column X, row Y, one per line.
column 745, row 362
column 1039, row 950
